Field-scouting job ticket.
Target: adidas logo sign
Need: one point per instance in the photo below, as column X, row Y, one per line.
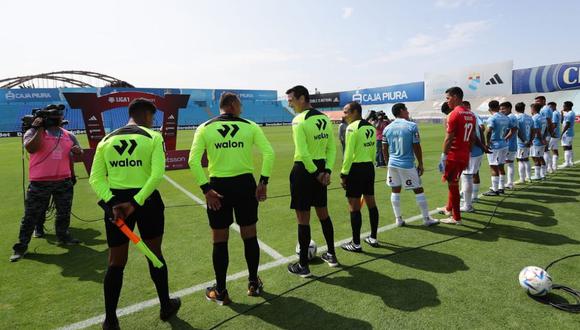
column 171, row 117
column 495, row 80
column 93, row 118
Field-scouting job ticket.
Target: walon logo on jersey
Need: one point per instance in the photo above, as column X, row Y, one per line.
column 368, row 135
column 232, row 130
column 321, row 124
column 132, row 144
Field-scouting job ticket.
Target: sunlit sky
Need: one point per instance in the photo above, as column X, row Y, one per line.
column 259, row 44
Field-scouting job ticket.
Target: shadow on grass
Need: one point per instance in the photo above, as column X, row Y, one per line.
column 497, row 230
column 406, row 295
column 79, row 261
column 177, row 323
column 427, row 260
column 295, row 313
column 532, row 216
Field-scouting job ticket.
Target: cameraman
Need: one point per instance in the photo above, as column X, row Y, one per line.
column 50, row 147
column 379, row 122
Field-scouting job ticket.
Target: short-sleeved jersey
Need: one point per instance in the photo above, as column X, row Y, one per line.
column 476, row 150
column 400, row 135
column 131, row 157
column 499, row 125
column 570, row 117
column 313, row 139
column 360, row 144
column 229, row 142
column 513, row 140
column 461, row 122
column 541, row 124
column 547, row 112
column 525, row 125
column 557, row 122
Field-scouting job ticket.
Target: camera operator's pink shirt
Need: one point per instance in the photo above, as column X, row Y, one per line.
column 52, row 161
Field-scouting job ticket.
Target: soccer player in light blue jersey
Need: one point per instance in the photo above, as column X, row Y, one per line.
column 401, row 144
column 497, row 129
column 555, row 140
column 547, row 112
column 525, row 126
column 568, row 133
column 512, row 137
column 539, row 142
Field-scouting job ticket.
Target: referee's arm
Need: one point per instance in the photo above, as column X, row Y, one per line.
column 157, row 171
column 268, row 156
column 330, row 150
column 348, row 152
column 195, row 154
column 98, row 178
column 302, row 148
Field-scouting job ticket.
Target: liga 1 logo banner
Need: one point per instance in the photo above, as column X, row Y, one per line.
column 479, row 80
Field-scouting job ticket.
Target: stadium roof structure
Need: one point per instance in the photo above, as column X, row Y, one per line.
column 73, row 78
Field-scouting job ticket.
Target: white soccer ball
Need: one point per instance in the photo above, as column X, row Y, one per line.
column 535, row 281
column 311, row 250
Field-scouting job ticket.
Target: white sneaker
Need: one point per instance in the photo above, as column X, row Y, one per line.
column 466, row 209
column 400, row 222
column 535, row 178
column 520, row 181
column 450, row 221
column 443, row 210
column 427, row 222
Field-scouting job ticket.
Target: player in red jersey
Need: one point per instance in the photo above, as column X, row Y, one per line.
column 459, row 137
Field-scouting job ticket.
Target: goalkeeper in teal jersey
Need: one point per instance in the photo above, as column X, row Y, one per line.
column 358, row 174
column 231, row 189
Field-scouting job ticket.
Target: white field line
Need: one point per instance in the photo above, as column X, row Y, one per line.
column 266, row 248
column 196, row 288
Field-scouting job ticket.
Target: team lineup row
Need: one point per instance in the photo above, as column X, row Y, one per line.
column 231, row 191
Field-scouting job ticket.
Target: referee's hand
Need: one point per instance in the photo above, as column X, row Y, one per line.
column 123, row 210
column 323, row 178
column 213, row 200
column 261, row 192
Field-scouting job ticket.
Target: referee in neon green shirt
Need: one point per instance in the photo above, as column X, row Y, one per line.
column 358, row 174
column 128, row 166
column 314, row 156
column 231, row 189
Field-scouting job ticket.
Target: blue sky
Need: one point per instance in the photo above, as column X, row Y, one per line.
column 259, row 44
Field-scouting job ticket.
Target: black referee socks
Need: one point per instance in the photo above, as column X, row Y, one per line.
column 252, row 253
column 356, row 224
column 220, row 264
column 112, row 285
column 159, row 277
column 374, row 218
column 304, row 241
column 328, row 231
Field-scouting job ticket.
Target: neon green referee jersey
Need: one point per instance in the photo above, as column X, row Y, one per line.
column 131, row 157
column 360, row 144
column 313, row 139
column 229, row 143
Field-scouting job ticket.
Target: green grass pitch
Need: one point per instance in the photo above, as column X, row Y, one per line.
column 418, row 278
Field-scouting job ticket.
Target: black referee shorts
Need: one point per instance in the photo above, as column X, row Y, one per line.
column 305, row 190
column 150, row 218
column 239, row 198
column 360, row 180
